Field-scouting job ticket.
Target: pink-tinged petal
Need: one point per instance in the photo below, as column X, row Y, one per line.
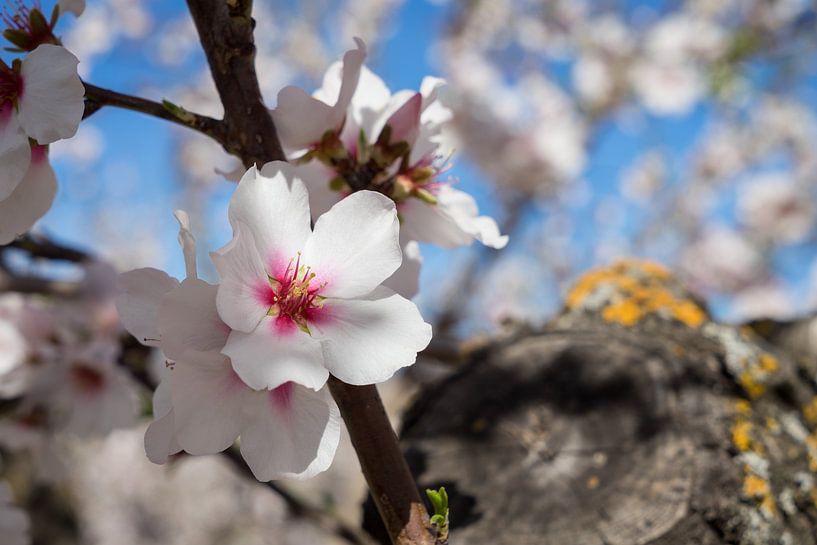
column 188, row 319
column 405, row 122
column 241, row 298
column 188, row 243
column 30, row 200
column 268, row 357
column 15, row 153
column 294, row 434
column 51, row 105
column 160, row 438
column 365, row 341
column 406, row 280
column 208, row 402
column 450, row 223
column 355, row 245
column 398, row 101
column 274, row 205
column 138, row 302
column 74, row 6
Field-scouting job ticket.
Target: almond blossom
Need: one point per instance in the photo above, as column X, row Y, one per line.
column 41, row 98
column 354, row 134
column 305, row 303
column 202, row 406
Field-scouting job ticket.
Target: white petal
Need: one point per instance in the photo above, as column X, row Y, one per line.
column 187, row 242
column 208, row 402
column 267, row 358
column 316, row 177
column 302, row 120
column 450, row 223
column 51, row 105
column 139, row 300
column 160, row 439
column 15, row 153
column 370, row 99
column 274, row 204
column 403, row 116
column 355, row 245
column 29, row 201
column 366, row 340
column 406, row 280
column 74, row 6
column 294, row 435
column 188, row 319
column 240, row 299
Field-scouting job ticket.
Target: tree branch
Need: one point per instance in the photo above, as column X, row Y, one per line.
column 390, row 482
column 41, row 247
column 96, row 98
column 225, row 30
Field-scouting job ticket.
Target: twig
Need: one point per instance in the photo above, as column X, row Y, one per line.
column 97, row 98
column 39, row 246
column 33, row 284
column 299, row 508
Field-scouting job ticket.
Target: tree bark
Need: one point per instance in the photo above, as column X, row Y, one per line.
column 630, row 419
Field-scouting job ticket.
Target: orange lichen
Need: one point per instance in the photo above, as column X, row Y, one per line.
column 754, row 486
column 750, row 385
column 769, row 363
column 626, row 313
column 743, row 407
column 742, row 434
column 810, row 411
column 635, row 289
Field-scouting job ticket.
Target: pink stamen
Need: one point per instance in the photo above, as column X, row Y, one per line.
column 293, row 296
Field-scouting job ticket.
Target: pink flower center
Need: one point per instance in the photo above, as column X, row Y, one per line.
column 294, row 295
column 87, row 379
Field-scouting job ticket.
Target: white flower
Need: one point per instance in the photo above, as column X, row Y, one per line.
column 31, row 197
column 201, row 405
column 372, row 139
column 287, row 432
column 13, row 353
column 41, row 98
column 303, row 303
column 776, row 208
column 88, row 393
column 14, row 523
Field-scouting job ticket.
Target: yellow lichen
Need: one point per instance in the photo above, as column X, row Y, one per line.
column 688, row 313
column 754, row 486
column 810, row 411
column 750, row 385
column 742, row 435
column 743, row 407
column 626, row 312
column 769, row 363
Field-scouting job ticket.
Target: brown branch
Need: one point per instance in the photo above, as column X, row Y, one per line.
column 381, row 460
column 299, row 508
column 225, row 29
column 37, row 285
column 96, row 98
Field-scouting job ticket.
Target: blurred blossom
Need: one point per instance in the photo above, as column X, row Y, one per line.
column 14, row 522
column 644, row 178
column 176, row 41
column 722, row 259
column 774, row 207
column 766, row 300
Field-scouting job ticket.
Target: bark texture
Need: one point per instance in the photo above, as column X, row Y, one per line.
column 630, row 419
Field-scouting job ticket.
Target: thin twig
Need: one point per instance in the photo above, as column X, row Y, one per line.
column 42, row 247
column 37, row 285
column 97, row 98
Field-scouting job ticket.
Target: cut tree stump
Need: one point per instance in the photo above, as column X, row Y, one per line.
column 630, row 419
